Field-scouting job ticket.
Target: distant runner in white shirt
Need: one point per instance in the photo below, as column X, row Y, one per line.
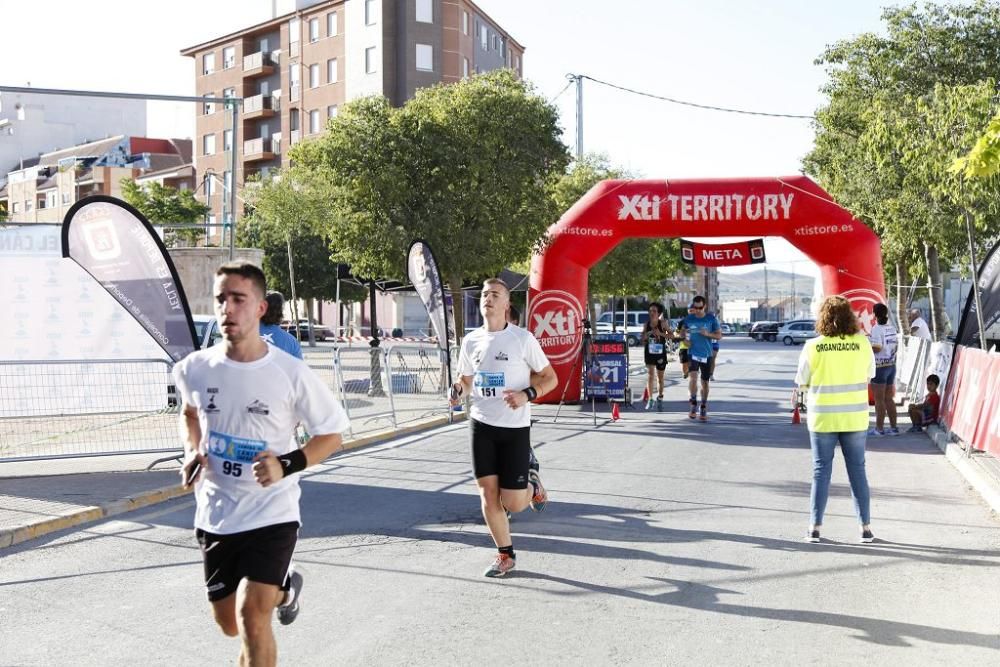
column 241, row 402
column 495, row 368
column 883, row 339
column 918, row 325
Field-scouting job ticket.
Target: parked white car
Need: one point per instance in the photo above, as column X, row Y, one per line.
column 631, row 327
column 797, row 332
column 206, row 327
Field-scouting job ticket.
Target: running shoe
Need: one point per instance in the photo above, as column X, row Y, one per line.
column 914, row 429
column 703, row 413
column 540, row 496
column 892, row 430
column 812, row 536
column 694, row 409
column 501, row 566
column 649, row 404
column 288, row 612
column 876, row 432
column 532, row 459
column 867, row 537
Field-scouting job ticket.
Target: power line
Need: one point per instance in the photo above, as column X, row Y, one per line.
column 561, row 92
column 707, row 107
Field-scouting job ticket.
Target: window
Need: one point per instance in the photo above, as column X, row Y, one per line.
column 369, row 12
column 465, row 22
column 331, row 111
column 228, row 57
column 465, row 68
column 227, row 140
column 314, row 122
column 314, row 76
column 517, row 63
column 51, row 200
column 208, row 63
column 208, row 144
column 313, row 30
column 294, row 30
column 425, row 57
column 496, row 42
column 331, row 70
column 370, row 64
column 209, row 107
column 425, row 11
column 229, row 92
column 27, row 205
column 16, row 207
column 484, row 38
column 293, row 74
column 331, row 24
column 209, row 185
column 66, row 197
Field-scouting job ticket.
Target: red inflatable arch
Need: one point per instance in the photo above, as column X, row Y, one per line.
column 793, row 207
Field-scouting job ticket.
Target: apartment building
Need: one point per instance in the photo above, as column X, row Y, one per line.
column 296, row 69
column 704, row 281
column 45, row 188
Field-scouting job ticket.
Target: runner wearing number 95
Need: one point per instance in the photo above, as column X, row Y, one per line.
column 241, row 402
column 495, row 369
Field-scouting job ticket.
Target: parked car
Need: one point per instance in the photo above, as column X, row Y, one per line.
column 206, row 327
column 726, row 329
column 797, row 331
column 765, row 331
column 320, row 332
column 631, row 327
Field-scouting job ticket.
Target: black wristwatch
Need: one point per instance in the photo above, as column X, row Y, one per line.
column 530, row 391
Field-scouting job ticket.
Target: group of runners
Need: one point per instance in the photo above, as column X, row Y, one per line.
column 697, row 336
column 243, row 402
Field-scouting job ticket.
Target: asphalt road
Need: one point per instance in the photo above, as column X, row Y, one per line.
column 665, row 542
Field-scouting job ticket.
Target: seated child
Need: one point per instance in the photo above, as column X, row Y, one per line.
column 926, row 413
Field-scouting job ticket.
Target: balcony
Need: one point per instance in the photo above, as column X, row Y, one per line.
column 257, row 150
column 259, row 106
column 258, row 64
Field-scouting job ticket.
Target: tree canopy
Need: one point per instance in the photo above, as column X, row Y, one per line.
column 164, row 205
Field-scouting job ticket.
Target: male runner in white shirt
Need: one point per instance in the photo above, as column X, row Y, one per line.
column 495, row 367
column 241, row 402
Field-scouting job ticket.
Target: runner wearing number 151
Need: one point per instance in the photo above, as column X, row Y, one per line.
column 495, row 369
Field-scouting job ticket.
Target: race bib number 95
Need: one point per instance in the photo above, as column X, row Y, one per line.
column 231, row 456
column 489, row 384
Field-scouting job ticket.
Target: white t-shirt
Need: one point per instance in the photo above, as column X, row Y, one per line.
column 244, row 408
column 884, row 335
column 499, row 360
column 922, row 330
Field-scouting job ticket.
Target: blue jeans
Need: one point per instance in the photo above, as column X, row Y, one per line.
column 823, row 447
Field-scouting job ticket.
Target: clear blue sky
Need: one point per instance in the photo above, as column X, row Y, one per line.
column 749, row 55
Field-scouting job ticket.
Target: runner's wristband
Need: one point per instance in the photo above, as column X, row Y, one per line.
column 293, row 462
column 530, row 391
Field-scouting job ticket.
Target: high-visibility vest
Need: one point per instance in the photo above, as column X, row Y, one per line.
column 838, row 383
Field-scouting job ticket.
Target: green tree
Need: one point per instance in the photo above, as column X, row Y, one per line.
column 465, row 166
column 164, row 205
column 3, row 211
column 875, row 88
column 616, row 275
column 287, row 219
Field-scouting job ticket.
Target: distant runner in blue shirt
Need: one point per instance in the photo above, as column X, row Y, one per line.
column 274, row 334
column 701, row 329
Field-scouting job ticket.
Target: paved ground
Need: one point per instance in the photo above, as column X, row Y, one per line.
column 666, row 542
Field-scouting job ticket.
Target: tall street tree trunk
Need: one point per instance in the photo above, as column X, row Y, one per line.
column 458, row 305
column 934, row 290
column 902, row 295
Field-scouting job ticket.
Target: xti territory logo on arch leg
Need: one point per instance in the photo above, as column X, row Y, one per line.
column 555, row 319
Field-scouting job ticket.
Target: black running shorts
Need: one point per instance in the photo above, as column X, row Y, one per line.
column 684, row 355
column 658, row 360
column 500, row 451
column 705, row 367
column 262, row 555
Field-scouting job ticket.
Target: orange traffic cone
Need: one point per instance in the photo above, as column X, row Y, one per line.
column 795, row 414
column 615, row 415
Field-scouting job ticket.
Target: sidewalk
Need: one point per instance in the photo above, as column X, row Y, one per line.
column 33, row 504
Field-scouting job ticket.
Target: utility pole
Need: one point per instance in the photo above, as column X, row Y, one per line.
column 767, row 297
column 578, row 78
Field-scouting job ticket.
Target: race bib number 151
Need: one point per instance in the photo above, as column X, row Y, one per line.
column 489, row 384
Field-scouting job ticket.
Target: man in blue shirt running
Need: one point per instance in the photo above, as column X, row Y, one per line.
column 702, row 329
column 274, row 334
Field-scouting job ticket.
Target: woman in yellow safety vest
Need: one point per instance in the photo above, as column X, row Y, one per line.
column 833, row 372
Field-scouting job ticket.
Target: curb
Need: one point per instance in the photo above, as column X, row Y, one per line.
column 984, row 485
column 12, row 536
